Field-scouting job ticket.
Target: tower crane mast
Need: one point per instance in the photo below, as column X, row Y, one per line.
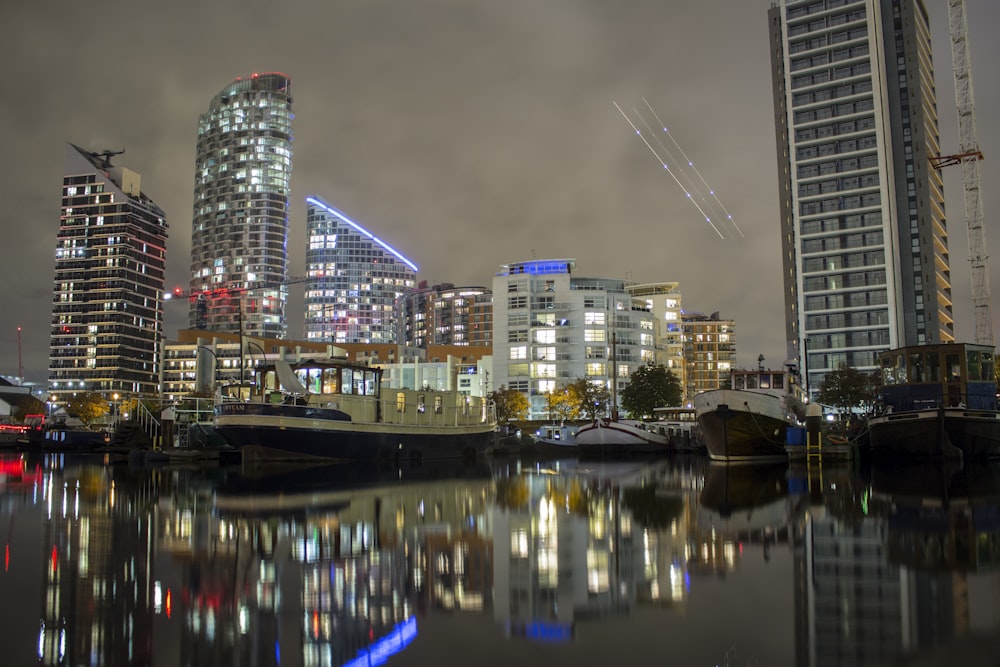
column 201, row 296
column 969, row 157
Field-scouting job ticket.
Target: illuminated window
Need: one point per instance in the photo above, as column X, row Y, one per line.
column 400, row 402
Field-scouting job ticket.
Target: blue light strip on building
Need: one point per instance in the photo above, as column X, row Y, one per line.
column 341, row 216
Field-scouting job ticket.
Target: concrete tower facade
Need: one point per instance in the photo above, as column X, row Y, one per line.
column 107, row 306
column 864, row 238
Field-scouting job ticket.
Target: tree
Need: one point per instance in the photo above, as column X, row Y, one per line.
column 651, row 386
column 562, row 405
column 591, row 399
column 848, row 388
column 511, row 404
column 28, row 406
column 88, row 407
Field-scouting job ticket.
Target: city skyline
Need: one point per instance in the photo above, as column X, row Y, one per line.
column 468, row 136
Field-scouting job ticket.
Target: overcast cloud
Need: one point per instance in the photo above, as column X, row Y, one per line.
column 466, row 134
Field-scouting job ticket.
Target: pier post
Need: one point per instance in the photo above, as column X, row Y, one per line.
column 814, row 427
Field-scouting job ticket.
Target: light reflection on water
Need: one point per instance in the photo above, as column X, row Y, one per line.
column 669, row 562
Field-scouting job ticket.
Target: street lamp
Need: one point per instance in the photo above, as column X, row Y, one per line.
column 114, row 410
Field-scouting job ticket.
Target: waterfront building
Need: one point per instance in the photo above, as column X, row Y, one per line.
column 445, row 315
column 199, row 362
column 239, row 232
column 864, row 238
column 355, row 279
column 552, row 328
column 107, row 302
column 709, row 352
column 664, row 301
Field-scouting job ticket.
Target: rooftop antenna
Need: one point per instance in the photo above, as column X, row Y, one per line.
column 106, row 155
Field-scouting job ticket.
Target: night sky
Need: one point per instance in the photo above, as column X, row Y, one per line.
column 466, row 134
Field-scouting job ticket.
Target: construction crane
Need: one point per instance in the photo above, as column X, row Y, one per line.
column 969, row 157
column 201, row 296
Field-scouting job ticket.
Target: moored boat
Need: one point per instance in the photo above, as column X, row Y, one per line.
column 938, row 401
column 555, row 440
column 749, row 421
column 337, row 410
column 621, row 437
column 614, row 437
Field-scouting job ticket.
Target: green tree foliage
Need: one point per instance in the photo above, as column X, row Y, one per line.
column 591, row 399
column 511, row 405
column 29, row 406
column 848, row 389
column 562, row 405
column 88, row 407
column 651, row 386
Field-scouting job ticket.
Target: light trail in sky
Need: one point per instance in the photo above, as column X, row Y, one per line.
column 701, row 178
column 686, row 182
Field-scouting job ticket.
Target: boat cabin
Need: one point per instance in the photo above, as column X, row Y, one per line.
column 921, row 377
column 767, row 381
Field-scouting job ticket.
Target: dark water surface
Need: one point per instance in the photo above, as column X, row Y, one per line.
column 673, row 562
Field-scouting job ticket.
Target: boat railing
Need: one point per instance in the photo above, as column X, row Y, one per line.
column 403, row 407
column 149, row 423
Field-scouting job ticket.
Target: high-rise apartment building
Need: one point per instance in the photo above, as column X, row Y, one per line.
column 552, row 328
column 864, row 240
column 664, row 301
column 709, row 352
column 445, row 315
column 355, row 279
column 107, row 307
column 239, row 232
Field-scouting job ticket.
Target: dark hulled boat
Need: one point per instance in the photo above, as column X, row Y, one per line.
column 749, row 420
column 334, row 409
column 939, row 401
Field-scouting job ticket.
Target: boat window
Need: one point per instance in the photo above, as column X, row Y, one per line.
column 986, row 363
column 437, row 405
column 346, row 381
column 315, row 384
column 888, row 376
column 765, row 380
column 739, row 382
column 330, row 377
column 953, row 365
column 751, row 382
column 778, row 381
column 917, row 368
column 465, row 406
column 421, row 404
column 400, row 402
column 972, row 364
column 933, row 367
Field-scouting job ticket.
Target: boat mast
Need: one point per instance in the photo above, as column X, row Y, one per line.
column 614, row 377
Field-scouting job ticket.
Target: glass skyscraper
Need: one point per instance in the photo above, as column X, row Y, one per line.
column 239, row 234
column 864, row 238
column 355, row 279
column 107, row 306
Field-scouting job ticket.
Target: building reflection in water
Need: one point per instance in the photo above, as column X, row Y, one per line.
column 290, row 570
column 581, row 541
column 341, row 565
column 883, row 564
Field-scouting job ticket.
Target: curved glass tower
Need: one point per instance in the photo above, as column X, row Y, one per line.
column 239, row 234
